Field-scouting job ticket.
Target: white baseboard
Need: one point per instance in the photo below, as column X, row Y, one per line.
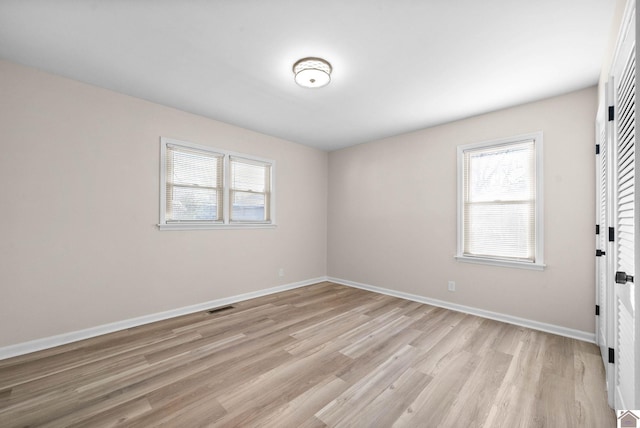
column 523, row 322
column 61, row 339
column 74, row 336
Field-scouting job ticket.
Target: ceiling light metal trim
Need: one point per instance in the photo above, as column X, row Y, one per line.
column 312, row 72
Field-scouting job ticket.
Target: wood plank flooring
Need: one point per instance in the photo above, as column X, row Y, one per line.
column 323, row 355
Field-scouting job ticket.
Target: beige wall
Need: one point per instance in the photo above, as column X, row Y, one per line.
column 79, row 246
column 392, row 214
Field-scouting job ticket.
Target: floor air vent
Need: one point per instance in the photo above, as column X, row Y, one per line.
column 220, row 309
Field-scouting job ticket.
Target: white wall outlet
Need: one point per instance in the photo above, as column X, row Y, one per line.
column 452, row 286
column 281, row 272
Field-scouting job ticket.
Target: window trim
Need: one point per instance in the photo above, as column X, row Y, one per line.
column 539, row 211
column 226, row 180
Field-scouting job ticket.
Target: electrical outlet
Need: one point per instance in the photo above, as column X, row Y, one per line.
column 281, row 272
column 452, row 286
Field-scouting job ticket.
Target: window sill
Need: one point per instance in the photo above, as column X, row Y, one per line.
column 501, row 263
column 209, row 226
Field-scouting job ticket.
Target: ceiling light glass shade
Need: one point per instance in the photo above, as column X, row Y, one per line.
column 312, row 72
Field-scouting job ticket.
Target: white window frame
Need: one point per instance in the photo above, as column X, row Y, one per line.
column 539, row 206
column 225, row 222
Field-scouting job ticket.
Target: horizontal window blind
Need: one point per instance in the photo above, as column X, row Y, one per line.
column 193, row 185
column 250, row 190
column 500, row 201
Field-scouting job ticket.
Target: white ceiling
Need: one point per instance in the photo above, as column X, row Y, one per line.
column 399, row 65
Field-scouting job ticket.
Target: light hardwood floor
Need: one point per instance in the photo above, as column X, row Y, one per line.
column 323, row 355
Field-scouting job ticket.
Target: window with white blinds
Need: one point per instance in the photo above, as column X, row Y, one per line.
column 193, row 184
column 204, row 188
column 499, row 202
column 249, row 190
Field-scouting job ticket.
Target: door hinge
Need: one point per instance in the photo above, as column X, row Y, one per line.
column 612, row 234
column 611, row 115
column 611, row 356
column 597, row 149
column 597, row 309
column 597, row 229
column 600, row 253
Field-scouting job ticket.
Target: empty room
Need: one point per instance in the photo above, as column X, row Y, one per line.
column 318, row 214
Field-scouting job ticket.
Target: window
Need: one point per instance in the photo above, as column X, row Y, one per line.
column 193, row 184
column 500, row 202
column 205, row 188
column 249, row 192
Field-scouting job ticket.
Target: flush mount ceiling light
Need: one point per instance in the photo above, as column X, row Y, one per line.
column 312, row 72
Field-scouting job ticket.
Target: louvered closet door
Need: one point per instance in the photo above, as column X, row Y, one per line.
column 603, row 291
column 626, row 331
